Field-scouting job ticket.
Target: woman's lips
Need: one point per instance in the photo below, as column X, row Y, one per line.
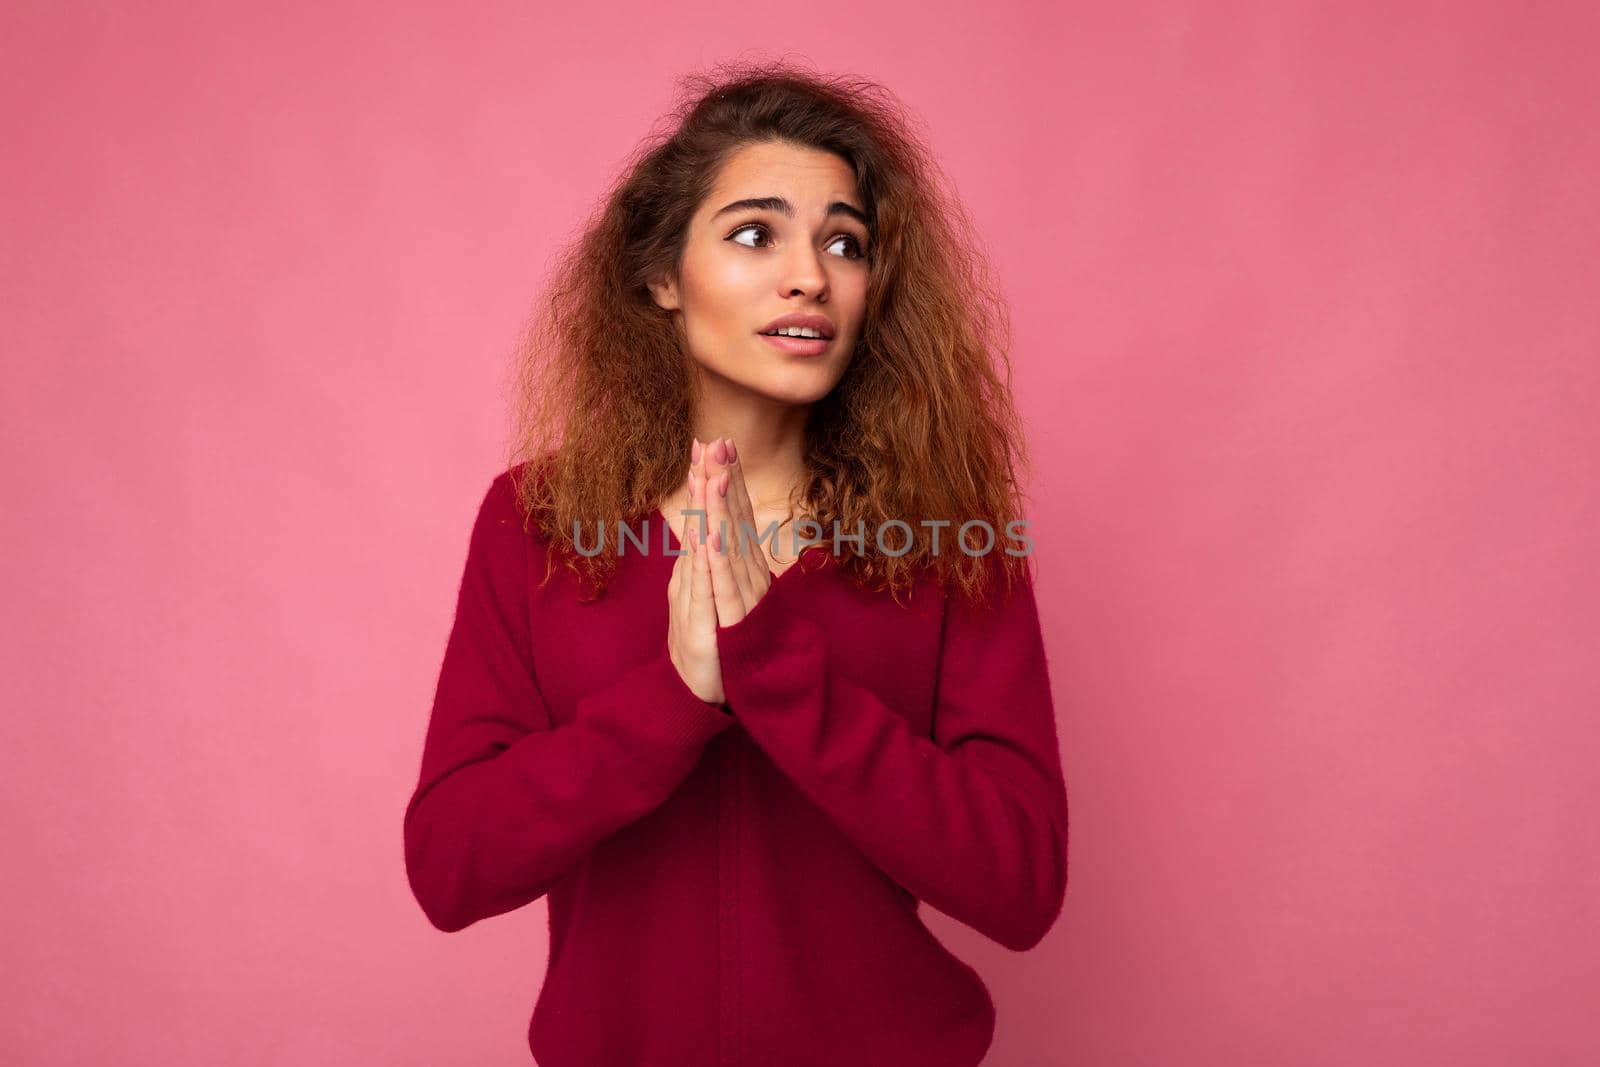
column 799, row 346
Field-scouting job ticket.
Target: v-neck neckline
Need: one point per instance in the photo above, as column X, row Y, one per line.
column 675, row 548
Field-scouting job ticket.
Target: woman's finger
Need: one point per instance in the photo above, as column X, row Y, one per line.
column 724, row 520
column 702, row 608
column 756, row 572
column 755, row 575
column 746, row 554
column 724, row 589
column 677, row 585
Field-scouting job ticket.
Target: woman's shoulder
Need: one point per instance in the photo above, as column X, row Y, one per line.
column 510, row 497
column 521, row 476
column 993, row 582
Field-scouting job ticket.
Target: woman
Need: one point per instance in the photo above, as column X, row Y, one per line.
column 736, row 768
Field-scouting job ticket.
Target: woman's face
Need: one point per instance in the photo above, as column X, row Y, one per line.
column 802, row 251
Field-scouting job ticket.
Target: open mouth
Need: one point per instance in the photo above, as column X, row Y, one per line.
column 799, row 346
column 802, row 332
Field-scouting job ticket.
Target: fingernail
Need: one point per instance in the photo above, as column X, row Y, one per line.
column 694, row 455
column 719, row 451
column 733, row 453
column 722, row 485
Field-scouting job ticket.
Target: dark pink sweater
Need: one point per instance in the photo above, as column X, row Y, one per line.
column 729, row 889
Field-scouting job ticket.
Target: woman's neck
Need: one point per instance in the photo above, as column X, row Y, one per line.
column 769, row 439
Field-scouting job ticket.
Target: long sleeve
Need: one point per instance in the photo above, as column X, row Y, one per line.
column 972, row 820
column 506, row 802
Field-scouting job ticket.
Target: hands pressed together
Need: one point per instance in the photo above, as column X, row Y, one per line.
column 713, row 585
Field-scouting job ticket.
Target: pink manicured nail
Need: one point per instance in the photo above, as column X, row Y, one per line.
column 733, row 453
column 722, row 485
column 694, row 455
column 719, row 451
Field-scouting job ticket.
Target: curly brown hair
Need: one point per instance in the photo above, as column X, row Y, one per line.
column 920, row 427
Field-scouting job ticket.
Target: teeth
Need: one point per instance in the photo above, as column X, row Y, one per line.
column 797, row 331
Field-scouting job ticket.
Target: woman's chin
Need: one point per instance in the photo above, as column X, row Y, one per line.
column 798, row 386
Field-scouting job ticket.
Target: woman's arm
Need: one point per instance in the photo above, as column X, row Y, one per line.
column 506, row 803
column 973, row 820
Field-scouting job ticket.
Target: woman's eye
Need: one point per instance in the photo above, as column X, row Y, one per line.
column 857, row 254
column 752, row 228
column 737, row 237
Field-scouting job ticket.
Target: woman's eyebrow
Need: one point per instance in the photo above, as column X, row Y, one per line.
column 783, row 207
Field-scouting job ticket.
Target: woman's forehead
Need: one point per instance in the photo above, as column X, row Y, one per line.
column 808, row 179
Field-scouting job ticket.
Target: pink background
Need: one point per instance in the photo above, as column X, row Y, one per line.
column 1307, row 338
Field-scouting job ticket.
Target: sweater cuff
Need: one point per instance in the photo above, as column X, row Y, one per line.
column 652, row 702
column 775, row 630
